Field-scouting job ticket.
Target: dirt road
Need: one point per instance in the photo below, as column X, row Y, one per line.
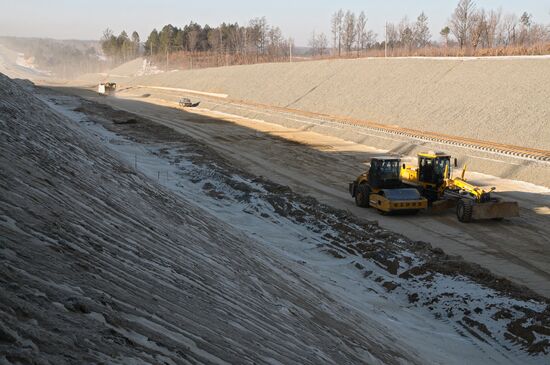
column 321, row 166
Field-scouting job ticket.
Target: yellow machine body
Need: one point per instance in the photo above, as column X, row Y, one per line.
column 386, row 205
column 380, row 188
column 433, row 178
column 412, row 175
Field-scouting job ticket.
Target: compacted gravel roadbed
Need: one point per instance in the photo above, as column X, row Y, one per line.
column 321, row 166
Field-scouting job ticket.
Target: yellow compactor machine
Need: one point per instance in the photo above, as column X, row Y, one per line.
column 433, row 179
column 381, row 188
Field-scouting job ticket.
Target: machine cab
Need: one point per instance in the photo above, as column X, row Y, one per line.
column 434, row 167
column 384, row 172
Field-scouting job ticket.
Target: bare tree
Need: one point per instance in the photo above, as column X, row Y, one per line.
column 318, row 44
column 539, row 33
column 349, row 31
column 336, row 28
column 361, row 32
column 508, row 29
column 493, row 23
column 275, row 41
column 257, row 34
column 392, row 35
column 477, row 27
column 406, row 34
column 461, row 21
column 322, row 43
column 313, row 44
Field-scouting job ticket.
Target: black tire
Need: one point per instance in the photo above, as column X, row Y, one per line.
column 362, row 196
column 464, row 210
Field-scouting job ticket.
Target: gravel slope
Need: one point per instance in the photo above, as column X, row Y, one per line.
column 98, row 265
column 502, row 100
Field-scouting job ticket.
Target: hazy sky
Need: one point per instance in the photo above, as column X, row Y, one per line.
column 80, row 19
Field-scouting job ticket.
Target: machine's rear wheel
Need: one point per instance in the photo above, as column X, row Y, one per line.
column 464, row 210
column 362, row 196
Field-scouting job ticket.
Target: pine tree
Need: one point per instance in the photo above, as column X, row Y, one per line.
column 422, row 31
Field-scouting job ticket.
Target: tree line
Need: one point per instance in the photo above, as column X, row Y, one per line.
column 470, row 30
column 349, row 33
column 120, row 48
column 194, row 44
column 257, row 39
column 479, row 28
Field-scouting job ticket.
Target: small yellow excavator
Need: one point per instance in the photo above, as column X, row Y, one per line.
column 433, row 180
column 380, row 188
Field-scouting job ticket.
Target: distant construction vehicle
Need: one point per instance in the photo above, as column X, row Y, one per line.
column 186, row 103
column 106, row 88
column 381, row 188
column 433, row 180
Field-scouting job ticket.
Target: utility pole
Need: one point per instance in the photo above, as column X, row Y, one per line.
column 290, row 48
column 244, row 50
column 386, row 39
column 220, row 50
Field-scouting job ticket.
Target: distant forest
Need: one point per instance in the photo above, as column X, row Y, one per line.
column 195, row 45
column 470, row 31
